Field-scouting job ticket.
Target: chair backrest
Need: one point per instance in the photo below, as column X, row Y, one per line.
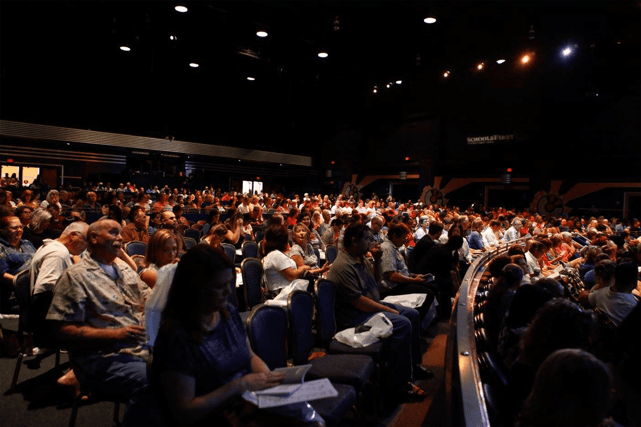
column 252, row 272
column 189, row 243
column 267, row 330
column 135, row 247
column 249, row 250
column 194, row 234
column 300, row 309
column 230, row 250
column 205, row 229
column 259, row 236
column 22, row 290
column 325, row 321
column 331, row 252
column 318, row 258
column 232, row 298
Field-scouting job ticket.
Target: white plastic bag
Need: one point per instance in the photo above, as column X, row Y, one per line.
column 380, row 327
column 281, row 299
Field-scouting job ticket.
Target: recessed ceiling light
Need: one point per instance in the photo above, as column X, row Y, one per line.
column 173, row 38
column 251, row 78
column 446, row 74
column 566, row 52
column 480, row 66
column 180, row 8
column 398, row 82
column 429, row 20
column 193, row 65
column 125, row 48
column 261, row 33
column 525, row 59
column 500, row 61
column 323, row 54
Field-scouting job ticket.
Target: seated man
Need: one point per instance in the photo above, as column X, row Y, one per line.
column 357, row 299
column 15, row 256
column 97, row 311
column 617, row 301
column 491, row 237
column 425, row 244
column 397, row 280
column 137, row 229
column 47, row 265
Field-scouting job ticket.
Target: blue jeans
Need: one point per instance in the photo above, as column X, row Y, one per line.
column 123, row 376
column 405, row 340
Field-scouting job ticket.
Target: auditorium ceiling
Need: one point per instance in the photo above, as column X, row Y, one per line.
column 130, row 66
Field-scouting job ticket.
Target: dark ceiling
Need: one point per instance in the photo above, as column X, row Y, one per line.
column 61, row 64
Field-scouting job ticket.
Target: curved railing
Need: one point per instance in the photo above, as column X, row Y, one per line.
column 466, row 400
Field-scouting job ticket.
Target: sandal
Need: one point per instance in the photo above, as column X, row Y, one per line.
column 412, row 392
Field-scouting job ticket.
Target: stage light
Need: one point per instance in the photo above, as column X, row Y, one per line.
column 430, row 19
column 323, row 54
column 180, row 8
column 525, row 59
column 500, row 61
column 261, row 33
column 125, row 48
column 193, row 65
column 566, row 52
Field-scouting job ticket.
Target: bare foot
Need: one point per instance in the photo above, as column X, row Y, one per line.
column 69, row 380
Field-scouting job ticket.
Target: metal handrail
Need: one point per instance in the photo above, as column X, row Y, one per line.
column 463, row 346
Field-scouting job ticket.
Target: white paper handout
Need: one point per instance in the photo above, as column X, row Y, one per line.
column 293, row 389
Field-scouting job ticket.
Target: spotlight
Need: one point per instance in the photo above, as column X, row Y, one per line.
column 446, row 74
column 500, row 61
column 180, row 8
column 323, row 54
column 525, row 59
column 430, row 19
column 125, row 48
column 566, row 52
column 261, row 33
column 480, row 66
column 193, row 65
column 398, row 82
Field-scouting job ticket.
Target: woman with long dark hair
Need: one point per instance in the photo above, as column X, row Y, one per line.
column 202, row 359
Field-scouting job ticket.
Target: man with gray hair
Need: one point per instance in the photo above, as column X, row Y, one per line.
column 97, row 312
column 55, row 256
column 512, row 233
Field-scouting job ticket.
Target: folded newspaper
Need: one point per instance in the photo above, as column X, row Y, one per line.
column 293, row 389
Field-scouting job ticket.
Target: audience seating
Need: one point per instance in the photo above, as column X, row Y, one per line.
column 252, row 273
column 136, row 247
column 249, row 250
column 190, row 243
column 267, row 330
column 230, row 251
column 29, row 332
column 193, row 233
column 353, row 369
column 331, row 252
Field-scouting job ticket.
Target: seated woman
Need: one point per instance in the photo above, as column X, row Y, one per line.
column 162, row 249
column 247, row 230
column 202, row 359
column 280, row 270
column 314, row 237
column 475, row 240
column 38, row 228
column 215, row 236
column 26, row 199
column 303, row 253
column 234, row 226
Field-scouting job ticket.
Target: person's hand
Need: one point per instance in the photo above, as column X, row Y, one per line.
column 261, row 381
column 326, row 267
column 376, row 251
column 132, row 333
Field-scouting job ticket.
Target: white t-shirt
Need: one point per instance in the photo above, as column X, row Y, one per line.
column 273, row 264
